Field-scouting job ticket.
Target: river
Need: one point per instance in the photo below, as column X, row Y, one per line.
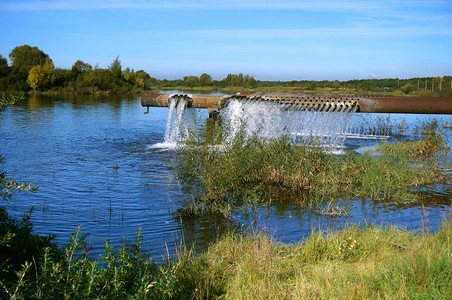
column 96, row 165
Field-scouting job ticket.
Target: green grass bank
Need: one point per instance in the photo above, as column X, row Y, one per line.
column 354, row 263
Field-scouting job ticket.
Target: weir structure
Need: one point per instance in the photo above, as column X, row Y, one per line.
column 364, row 104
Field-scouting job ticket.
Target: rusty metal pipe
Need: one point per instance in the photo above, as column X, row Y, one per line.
column 414, row 105
column 368, row 104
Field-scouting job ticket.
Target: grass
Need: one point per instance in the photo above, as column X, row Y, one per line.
column 354, row 263
column 227, row 177
column 349, row 264
column 296, row 90
column 428, row 142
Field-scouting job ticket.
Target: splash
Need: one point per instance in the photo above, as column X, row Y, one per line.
column 327, row 124
column 178, row 121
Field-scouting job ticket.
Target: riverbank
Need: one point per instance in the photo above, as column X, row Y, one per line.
column 370, row 262
column 293, row 90
column 229, row 90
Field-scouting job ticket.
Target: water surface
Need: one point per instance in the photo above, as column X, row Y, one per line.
column 96, row 165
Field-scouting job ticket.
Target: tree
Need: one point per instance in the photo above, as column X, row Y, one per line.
column 35, row 76
column 205, row 79
column 437, row 80
column 3, row 65
column 40, row 76
column 116, row 68
column 235, row 80
column 336, row 85
column 143, row 74
column 4, row 73
column 407, row 88
column 79, row 67
column 249, row 81
column 100, row 78
column 364, row 85
column 191, row 81
column 26, row 57
column 312, row 85
column 49, row 77
column 139, row 82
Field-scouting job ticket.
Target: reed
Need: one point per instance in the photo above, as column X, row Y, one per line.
column 239, row 174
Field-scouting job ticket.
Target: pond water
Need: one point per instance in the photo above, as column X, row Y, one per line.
column 96, row 165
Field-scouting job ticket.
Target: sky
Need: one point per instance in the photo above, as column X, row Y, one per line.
column 269, row 39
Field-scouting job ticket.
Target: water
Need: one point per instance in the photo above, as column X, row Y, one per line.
column 70, row 147
column 301, row 122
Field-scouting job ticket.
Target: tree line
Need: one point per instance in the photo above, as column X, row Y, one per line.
column 31, row 69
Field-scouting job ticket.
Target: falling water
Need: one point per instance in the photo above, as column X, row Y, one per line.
column 327, row 125
column 178, row 120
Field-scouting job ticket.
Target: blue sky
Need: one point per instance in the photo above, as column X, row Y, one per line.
column 269, row 39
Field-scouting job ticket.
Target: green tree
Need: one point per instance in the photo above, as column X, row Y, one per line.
column 205, row 79
column 61, row 77
column 191, row 81
column 407, row 88
column 364, row 85
column 131, row 77
column 49, row 77
column 249, row 81
column 312, row 85
column 3, row 66
column 4, row 73
column 143, row 74
column 116, row 68
column 101, row 78
column 235, row 80
column 80, row 66
column 437, row 80
column 26, row 57
column 336, row 85
column 23, row 59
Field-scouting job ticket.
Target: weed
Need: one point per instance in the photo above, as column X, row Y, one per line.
column 356, row 262
column 232, row 176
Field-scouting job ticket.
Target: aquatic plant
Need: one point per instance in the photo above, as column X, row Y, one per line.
column 223, row 177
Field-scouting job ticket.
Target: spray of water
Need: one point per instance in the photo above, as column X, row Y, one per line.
column 178, row 121
column 327, row 125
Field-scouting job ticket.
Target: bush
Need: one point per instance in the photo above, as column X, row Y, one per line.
column 19, row 246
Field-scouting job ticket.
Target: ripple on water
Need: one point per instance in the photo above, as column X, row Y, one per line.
column 71, row 152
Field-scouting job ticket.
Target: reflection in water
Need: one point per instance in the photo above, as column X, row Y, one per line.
column 92, row 159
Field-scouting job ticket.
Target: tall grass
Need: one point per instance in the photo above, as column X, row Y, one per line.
column 226, row 177
column 354, row 263
column 72, row 273
column 368, row 263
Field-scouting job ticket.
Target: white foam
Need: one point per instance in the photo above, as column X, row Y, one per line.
column 163, row 146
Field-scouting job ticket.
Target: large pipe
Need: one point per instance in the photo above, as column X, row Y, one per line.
column 367, row 104
column 414, row 105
